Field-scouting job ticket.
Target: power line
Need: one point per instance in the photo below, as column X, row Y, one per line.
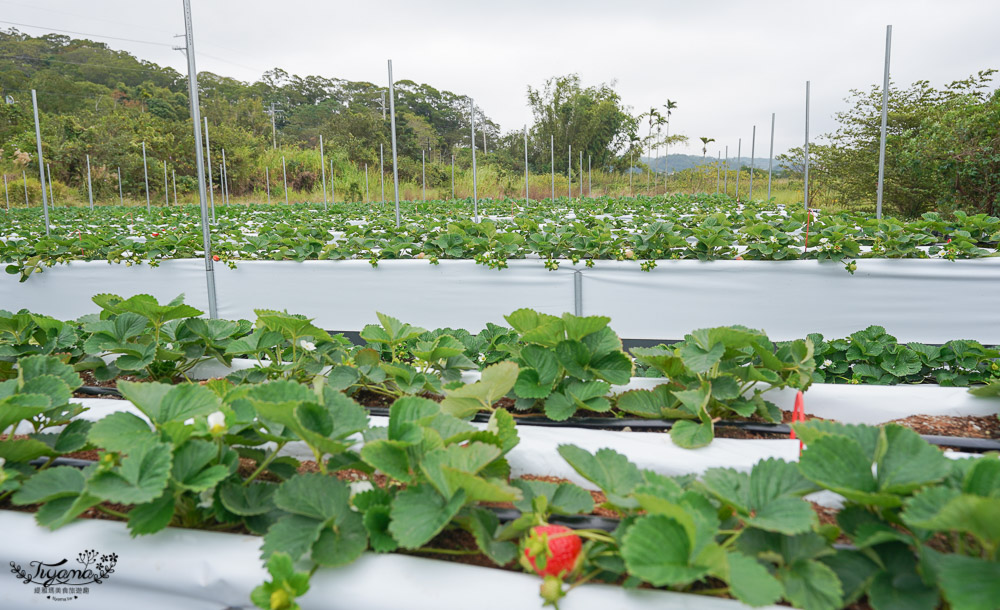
column 44, row 27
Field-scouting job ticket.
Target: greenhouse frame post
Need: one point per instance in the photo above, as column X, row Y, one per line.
column 423, row 174
column 552, row 164
column 41, row 164
column 569, row 172
column 739, row 152
column 526, row 195
column 24, row 182
column 725, row 180
column 90, row 186
column 753, row 153
column 770, row 159
column 222, row 184
column 267, row 185
column 718, row 173
column 173, row 180
column 48, row 177
column 145, row 175
column 392, row 118
column 885, row 116
column 579, row 175
column 166, row 187
column 206, row 233
column 333, row 190
column 224, row 171
column 475, row 189
column 805, row 181
column 121, row 195
column 631, row 163
column 322, row 167
column 284, row 178
column 208, row 164
column 381, row 169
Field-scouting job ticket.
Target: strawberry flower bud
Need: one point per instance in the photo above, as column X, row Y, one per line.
column 217, row 423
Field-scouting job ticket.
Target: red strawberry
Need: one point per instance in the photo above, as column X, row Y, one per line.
column 155, row 234
column 215, row 257
column 552, row 550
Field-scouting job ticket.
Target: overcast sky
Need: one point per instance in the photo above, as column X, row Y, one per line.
column 728, row 64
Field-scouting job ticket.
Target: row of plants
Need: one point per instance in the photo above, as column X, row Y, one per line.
column 915, row 532
column 567, row 364
column 703, row 227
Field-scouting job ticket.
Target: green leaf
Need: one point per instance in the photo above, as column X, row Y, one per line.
column 247, row 501
column 543, row 361
column 909, row 461
column 838, row 463
column 649, row 403
column 528, row 385
column 121, row 432
column 24, row 450
column 608, row 469
column 189, row 468
column 391, row 457
column 578, row 327
column 966, row 513
column 292, row 534
column 786, row 515
column 483, row 525
column 146, row 396
column 691, row 435
column 968, row 583
column 18, row 407
column 376, row 521
column 750, row 582
column 32, row 367
column 502, row 424
column 657, row 550
column 340, row 545
column 899, row 586
column 73, row 437
column 854, row 570
column 187, row 401
column 496, row 381
column 615, row 367
column 142, row 476
column 313, row 495
column 50, row 484
column 699, row 359
column 867, row 437
column 561, row 498
column 419, row 513
column 811, row 585
column 152, row 517
column 48, row 385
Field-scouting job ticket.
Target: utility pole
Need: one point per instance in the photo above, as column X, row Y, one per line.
column 274, row 129
column 392, row 118
column 41, row 163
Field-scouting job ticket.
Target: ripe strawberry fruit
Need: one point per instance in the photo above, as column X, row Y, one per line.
column 215, row 257
column 552, row 550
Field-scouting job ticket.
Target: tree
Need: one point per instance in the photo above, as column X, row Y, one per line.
column 704, row 145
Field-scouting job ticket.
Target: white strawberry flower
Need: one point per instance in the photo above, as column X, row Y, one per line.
column 307, row 345
column 217, row 422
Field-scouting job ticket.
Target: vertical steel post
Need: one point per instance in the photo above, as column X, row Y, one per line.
column 453, row 177
column 166, row 188
column 569, row 172
column 552, row 164
column 222, row 184
column 753, row 152
column 267, row 186
column 395, row 163
column 173, row 179
column 145, row 174
column 90, row 186
column 48, row 177
column 885, row 116
column 381, row 167
column 718, row 173
column 475, row 191
column 225, row 179
column 423, row 173
column 284, row 178
column 24, row 182
column 41, row 164
column 121, row 194
column 208, row 164
column 739, row 165
column 805, row 180
column 770, row 159
column 322, row 166
column 725, row 181
column 526, row 195
column 333, row 190
column 203, row 200
column 590, row 184
column 579, row 175
column 631, row 163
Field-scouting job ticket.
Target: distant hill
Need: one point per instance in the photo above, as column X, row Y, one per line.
column 681, row 162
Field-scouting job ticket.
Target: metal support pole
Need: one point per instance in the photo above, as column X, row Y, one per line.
column 805, row 180
column 166, row 188
column 90, row 186
column 222, row 184
column 739, row 165
column 24, row 182
column 526, row 197
column 552, row 164
column 718, row 173
column 121, row 194
column 333, row 190
column 753, row 152
column 423, row 173
column 475, row 190
column 322, row 166
column 725, row 181
column 577, row 293
column 284, row 178
column 41, row 164
column 208, row 164
column 453, row 177
column 145, row 174
column 48, row 177
column 579, row 175
column 631, row 163
column 203, row 200
column 267, row 187
column 381, row 169
column 569, row 172
column 770, row 159
column 173, row 179
column 885, row 116
column 392, row 116
column 590, row 184
column 225, row 179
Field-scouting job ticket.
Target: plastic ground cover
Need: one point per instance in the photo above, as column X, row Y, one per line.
column 787, row 299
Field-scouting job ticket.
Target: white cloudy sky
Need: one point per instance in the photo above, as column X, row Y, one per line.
column 729, row 64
